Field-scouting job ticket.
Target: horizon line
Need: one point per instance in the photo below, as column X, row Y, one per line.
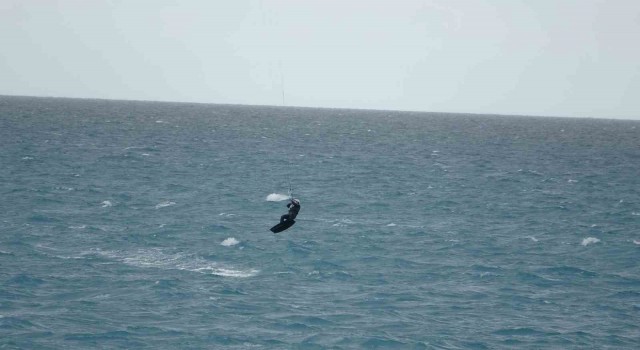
column 324, row 107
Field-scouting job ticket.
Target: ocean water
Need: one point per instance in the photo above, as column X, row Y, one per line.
column 140, row 225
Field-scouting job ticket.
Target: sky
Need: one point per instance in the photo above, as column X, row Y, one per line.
column 576, row 58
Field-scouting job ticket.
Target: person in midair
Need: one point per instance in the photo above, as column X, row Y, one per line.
column 294, row 208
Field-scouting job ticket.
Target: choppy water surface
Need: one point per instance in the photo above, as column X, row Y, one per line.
column 145, row 225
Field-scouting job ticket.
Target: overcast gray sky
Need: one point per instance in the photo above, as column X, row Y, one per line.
column 527, row 57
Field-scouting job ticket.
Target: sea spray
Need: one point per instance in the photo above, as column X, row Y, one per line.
column 277, row 197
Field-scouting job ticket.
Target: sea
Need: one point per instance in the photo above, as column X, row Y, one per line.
column 145, row 225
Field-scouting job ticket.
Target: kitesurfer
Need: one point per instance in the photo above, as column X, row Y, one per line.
column 294, row 208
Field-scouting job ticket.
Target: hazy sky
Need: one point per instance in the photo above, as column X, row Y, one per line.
column 532, row 57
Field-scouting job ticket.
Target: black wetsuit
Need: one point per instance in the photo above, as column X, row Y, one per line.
column 293, row 212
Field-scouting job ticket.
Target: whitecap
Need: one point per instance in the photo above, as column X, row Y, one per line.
column 277, row 197
column 102, row 296
column 343, row 222
column 155, row 258
column 165, row 204
column 391, row 224
column 636, row 242
column 231, row 241
column 589, row 240
column 106, row 204
column 533, row 238
column 218, row 271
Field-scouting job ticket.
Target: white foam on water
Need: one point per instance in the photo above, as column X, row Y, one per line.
column 165, row 204
column 589, row 240
column 106, row 204
column 231, row 241
column 636, row 242
column 155, row 258
column 533, row 238
column 220, row 271
column 277, row 197
column 391, row 224
column 342, row 222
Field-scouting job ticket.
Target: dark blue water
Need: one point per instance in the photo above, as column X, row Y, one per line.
column 146, row 225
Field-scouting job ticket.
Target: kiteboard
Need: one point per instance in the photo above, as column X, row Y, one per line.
column 282, row 226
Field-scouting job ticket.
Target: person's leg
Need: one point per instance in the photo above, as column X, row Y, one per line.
column 284, row 217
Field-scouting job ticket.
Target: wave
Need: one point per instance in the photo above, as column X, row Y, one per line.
column 589, row 240
column 343, row 222
column 165, row 204
column 231, row 241
column 277, row 197
column 155, row 258
column 522, row 331
column 568, row 271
